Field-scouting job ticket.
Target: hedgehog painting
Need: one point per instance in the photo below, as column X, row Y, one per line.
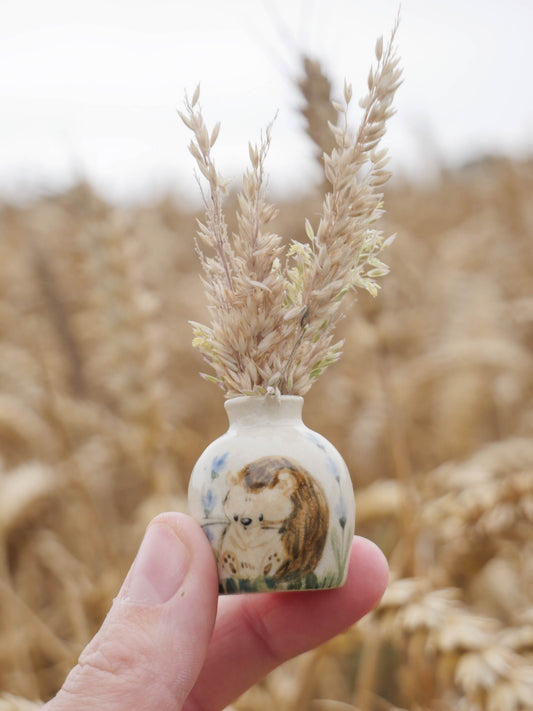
column 277, row 522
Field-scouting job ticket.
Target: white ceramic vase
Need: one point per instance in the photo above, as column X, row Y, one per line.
column 275, row 500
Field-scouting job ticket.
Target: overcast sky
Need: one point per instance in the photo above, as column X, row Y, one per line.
column 90, row 89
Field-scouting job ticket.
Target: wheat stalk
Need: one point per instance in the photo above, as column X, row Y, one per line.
column 23, row 491
column 470, row 650
column 9, row 702
column 121, row 324
column 318, row 110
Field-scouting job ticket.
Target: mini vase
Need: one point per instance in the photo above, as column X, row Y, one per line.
column 275, row 500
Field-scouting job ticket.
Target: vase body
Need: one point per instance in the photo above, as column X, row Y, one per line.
column 275, row 500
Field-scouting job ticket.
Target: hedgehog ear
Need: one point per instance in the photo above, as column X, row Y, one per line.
column 286, row 482
column 232, row 479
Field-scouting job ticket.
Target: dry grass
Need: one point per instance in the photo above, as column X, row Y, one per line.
column 102, row 416
column 274, row 310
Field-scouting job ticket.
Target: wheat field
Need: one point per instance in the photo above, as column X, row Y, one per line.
column 103, row 414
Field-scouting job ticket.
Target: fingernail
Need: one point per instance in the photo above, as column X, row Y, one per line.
column 159, row 568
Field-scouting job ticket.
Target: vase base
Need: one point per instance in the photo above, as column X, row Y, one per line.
column 309, row 583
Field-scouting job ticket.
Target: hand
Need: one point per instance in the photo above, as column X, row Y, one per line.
column 164, row 647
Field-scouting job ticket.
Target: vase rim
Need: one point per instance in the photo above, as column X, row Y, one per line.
column 259, row 406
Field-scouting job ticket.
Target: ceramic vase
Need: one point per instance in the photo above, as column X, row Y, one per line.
column 275, row 500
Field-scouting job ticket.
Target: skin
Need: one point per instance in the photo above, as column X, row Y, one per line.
column 169, row 643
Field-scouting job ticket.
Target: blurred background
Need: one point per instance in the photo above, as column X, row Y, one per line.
column 90, row 90
column 102, row 411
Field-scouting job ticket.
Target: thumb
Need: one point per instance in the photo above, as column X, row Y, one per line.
column 153, row 642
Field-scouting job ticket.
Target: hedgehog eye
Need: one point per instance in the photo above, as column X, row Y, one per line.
column 260, row 517
column 235, row 517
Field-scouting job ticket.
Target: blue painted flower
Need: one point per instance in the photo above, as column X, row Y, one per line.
column 340, row 511
column 318, row 442
column 209, row 534
column 332, row 464
column 208, row 502
column 219, row 463
column 312, row 437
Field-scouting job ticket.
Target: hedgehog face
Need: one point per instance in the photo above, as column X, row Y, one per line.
column 258, row 510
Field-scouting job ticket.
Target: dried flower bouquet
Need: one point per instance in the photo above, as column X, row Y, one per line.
column 274, row 310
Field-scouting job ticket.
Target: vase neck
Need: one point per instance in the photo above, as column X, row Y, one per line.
column 251, row 410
